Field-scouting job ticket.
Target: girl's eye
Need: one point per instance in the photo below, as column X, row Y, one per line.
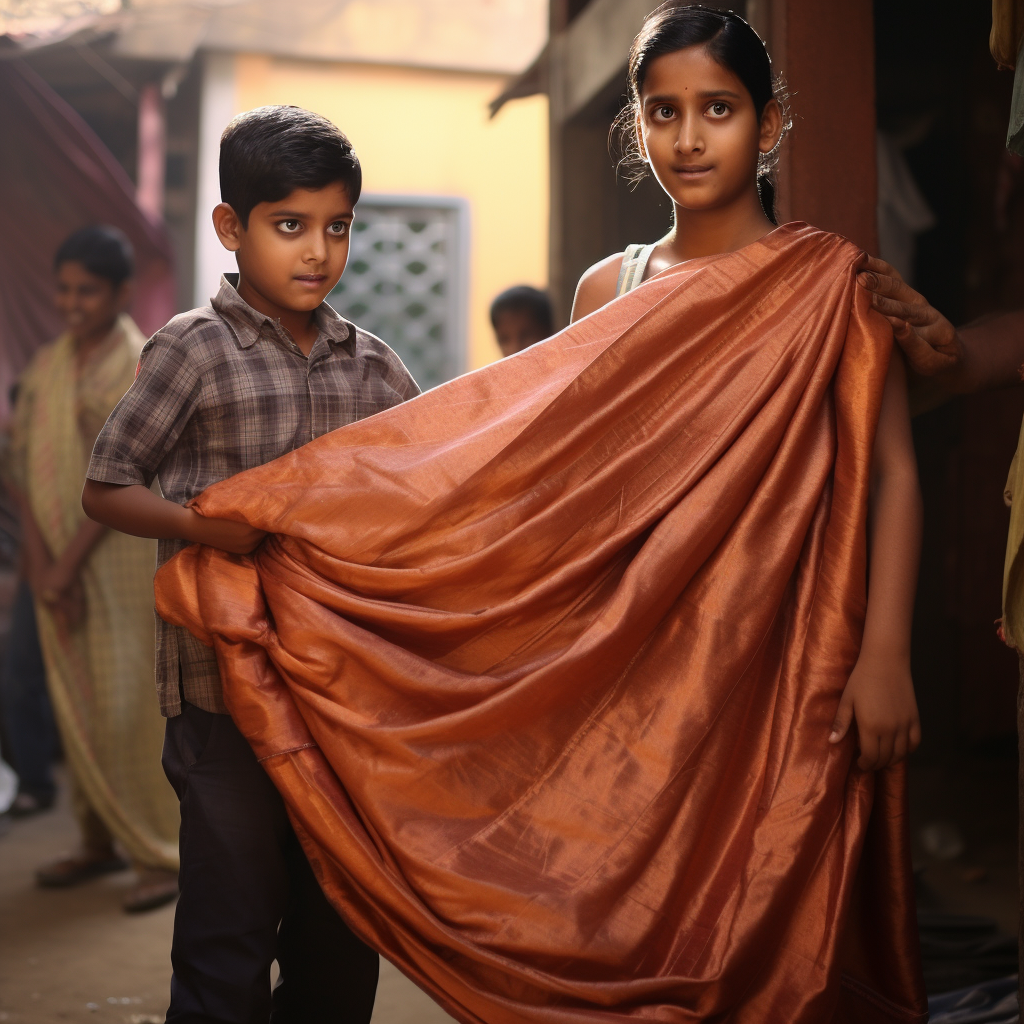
column 338, row 228
column 719, row 109
column 289, row 226
column 665, row 112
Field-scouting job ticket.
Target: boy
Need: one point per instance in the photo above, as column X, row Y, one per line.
column 220, row 390
column 521, row 316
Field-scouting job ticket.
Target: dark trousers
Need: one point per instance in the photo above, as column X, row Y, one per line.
column 249, row 896
column 25, row 703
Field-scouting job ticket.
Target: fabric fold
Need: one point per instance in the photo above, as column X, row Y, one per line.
column 568, row 634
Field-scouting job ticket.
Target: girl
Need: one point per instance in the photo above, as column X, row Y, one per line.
column 703, row 116
column 555, row 664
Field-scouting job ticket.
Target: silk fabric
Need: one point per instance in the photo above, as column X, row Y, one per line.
column 544, row 661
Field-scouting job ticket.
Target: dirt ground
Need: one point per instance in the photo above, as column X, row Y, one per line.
column 73, row 955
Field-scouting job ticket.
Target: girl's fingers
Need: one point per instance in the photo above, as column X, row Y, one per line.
column 900, row 747
column 886, row 744
column 915, row 736
column 868, row 751
column 844, row 716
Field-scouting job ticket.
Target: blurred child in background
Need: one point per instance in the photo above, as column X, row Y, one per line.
column 93, row 587
column 521, row 316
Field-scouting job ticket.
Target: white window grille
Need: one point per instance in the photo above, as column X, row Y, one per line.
column 406, row 281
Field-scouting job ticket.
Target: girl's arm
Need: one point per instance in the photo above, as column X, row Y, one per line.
column 596, row 287
column 880, row 692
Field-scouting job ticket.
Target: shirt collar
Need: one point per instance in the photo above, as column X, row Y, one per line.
column 249, row 323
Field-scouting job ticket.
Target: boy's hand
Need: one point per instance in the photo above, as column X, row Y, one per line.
column 134, row 509
column 226, row 534
column 880, row 696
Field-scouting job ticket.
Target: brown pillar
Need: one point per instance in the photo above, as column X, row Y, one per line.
column 826, row 51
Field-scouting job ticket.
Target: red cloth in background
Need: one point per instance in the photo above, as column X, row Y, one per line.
column 545, row 661
column 57, row 176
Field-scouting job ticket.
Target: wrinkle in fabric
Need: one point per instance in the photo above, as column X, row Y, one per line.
column 544, row 661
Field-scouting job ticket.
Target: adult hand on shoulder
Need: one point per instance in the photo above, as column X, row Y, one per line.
column 879, row 697
column 929, row 341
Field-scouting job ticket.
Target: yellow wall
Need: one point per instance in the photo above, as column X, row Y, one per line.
column 425, row 132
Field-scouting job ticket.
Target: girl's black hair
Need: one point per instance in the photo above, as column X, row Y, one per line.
column 102, row 250
column 731, row 42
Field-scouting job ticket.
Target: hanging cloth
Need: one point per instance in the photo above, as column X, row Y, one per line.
column 1006, row 42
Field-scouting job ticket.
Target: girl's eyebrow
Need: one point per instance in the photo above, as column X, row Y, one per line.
column 704, row 95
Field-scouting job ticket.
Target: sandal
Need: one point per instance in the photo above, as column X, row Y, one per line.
column 154, row 888
column 77, row 868
column 26, row 804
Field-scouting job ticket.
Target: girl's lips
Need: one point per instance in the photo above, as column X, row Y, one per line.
column 692, row 172
column 312, row 278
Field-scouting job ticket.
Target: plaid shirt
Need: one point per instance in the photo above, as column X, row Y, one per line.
column 220, row 391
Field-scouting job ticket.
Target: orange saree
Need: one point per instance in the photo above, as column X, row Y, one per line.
column 544, row 662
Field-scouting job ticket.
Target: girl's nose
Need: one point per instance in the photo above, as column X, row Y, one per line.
column 689, row 140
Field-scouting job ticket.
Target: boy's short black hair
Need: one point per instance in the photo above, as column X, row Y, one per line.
column 102, row 250
column 531, row 300
column 267, row 153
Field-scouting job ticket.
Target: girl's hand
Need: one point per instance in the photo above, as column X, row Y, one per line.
column 880, row 696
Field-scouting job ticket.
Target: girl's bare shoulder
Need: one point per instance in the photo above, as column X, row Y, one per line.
column 597, row 286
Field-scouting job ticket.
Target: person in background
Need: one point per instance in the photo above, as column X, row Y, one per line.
column 93, row 588
column 521, row 316
column 29, row 730
column 981, row 356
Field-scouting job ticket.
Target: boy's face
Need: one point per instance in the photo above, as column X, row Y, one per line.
column 88, row 304
column 517, row 329
column 294, row 251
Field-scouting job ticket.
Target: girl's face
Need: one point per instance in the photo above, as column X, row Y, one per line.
column 700, row 131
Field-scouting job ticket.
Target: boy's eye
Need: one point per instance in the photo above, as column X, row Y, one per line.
column 719, row 109
column 339, row 227
column 289, row 226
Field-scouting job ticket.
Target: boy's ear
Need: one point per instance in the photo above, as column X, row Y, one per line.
column 228, row 227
